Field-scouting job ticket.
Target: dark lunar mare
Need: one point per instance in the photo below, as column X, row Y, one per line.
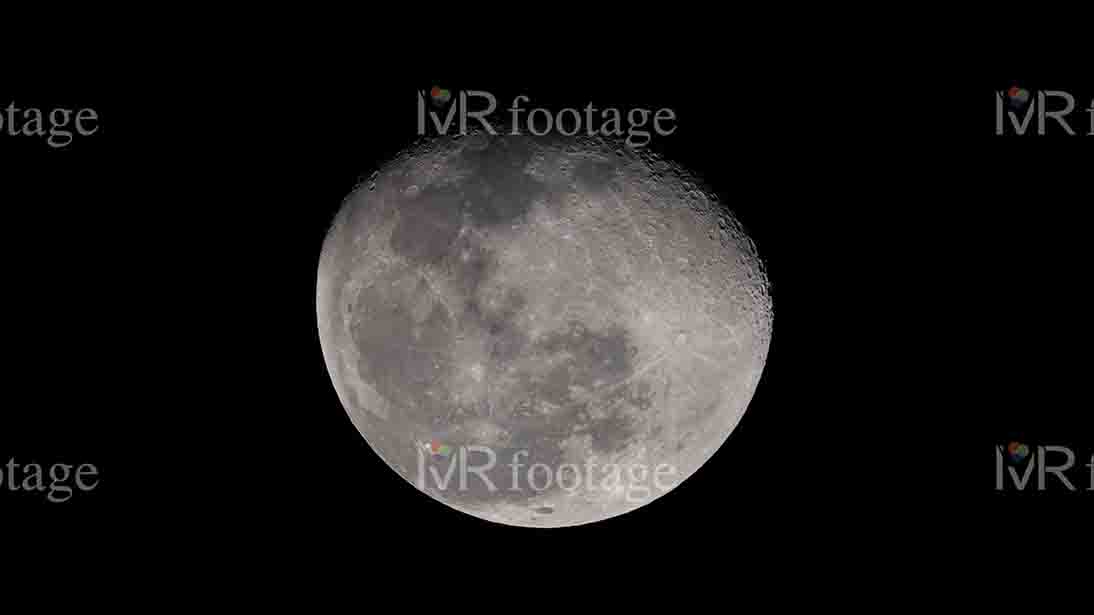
column 408, row 362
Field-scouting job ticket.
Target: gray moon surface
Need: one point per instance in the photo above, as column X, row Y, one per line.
column 564, row 329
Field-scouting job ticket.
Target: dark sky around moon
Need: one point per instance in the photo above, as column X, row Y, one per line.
column 250, row 427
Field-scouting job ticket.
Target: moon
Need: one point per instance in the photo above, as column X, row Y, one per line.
column 541, row 331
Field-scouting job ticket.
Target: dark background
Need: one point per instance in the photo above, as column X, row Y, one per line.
column 928, row 285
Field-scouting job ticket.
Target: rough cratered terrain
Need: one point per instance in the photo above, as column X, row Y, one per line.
column 586, row 304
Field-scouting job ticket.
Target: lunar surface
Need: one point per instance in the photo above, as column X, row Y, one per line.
column 541, row 332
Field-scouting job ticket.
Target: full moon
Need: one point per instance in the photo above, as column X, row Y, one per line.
column 541, row 331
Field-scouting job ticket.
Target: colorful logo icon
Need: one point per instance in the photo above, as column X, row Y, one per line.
column 1017, row 451
column 436, row 448
column 1017, row 96
column 440, row 96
